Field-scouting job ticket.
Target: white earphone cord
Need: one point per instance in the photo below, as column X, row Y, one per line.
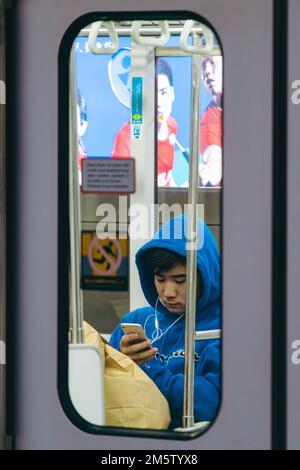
column 157, row 333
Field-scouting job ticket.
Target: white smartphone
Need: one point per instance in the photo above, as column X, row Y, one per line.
column 134, row 328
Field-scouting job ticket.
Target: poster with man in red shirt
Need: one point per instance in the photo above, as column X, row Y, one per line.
column 82, row 125
column 166, row 127
column 210, row 167
column 103, row 79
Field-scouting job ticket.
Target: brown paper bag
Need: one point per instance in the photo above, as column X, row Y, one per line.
column 132, row 399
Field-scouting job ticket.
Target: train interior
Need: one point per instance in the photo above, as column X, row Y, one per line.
column 119, row 107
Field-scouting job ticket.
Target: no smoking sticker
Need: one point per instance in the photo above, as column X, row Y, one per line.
column 104, row 263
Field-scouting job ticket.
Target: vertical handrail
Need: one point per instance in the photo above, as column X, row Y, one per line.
column 189, row 363
column 76, row 310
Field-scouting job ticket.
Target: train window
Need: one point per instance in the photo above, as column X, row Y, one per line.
column 145, row 183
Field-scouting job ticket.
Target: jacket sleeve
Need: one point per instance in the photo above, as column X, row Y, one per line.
column 206, row 385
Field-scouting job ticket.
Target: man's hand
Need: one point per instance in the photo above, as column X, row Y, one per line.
column 204, row 173
column 211, row 170
column 140, row 352
column 165, row 179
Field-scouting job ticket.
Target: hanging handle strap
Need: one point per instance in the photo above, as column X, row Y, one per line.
column 92, row 39
column 196, row 49
column 150, row 41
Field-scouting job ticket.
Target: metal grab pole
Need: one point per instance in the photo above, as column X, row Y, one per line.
column 208, row 334
column 76, row 313
column 189, row 364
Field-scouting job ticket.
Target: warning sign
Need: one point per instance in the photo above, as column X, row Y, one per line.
column 108, row 175
column 104, row 263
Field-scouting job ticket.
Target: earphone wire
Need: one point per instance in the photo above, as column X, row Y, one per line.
column 158, row 333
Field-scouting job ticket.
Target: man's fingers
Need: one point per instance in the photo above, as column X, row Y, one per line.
column 135, row 348
column 144, row 355
column 140, row 352
column 126, row 340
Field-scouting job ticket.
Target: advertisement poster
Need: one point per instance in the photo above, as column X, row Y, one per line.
column 104, row 90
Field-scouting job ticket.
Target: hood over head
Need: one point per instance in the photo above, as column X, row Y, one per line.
column 173, row 237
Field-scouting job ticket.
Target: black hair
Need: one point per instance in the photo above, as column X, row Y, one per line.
column 205, row 61
column 159, row 260
column 162, row 67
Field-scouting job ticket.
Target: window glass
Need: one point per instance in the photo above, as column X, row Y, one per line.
column 137, row 124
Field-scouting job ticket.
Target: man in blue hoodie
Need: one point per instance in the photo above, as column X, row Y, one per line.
column 161, row 263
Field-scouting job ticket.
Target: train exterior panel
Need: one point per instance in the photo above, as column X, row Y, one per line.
column 246, row 33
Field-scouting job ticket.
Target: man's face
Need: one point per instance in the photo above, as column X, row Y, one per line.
column 165, row 97
column 171, row 288
column 212, row 76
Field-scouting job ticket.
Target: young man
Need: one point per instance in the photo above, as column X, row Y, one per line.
column 166, row 127
column 161, row 263
column 211, row 123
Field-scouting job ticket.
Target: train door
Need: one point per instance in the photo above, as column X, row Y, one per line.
column 245, row 32
column 292, row 347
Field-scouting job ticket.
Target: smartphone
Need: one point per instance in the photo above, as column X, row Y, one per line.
column 134, row 328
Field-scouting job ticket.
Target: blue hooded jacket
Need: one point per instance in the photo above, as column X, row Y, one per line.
column 167, row 368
